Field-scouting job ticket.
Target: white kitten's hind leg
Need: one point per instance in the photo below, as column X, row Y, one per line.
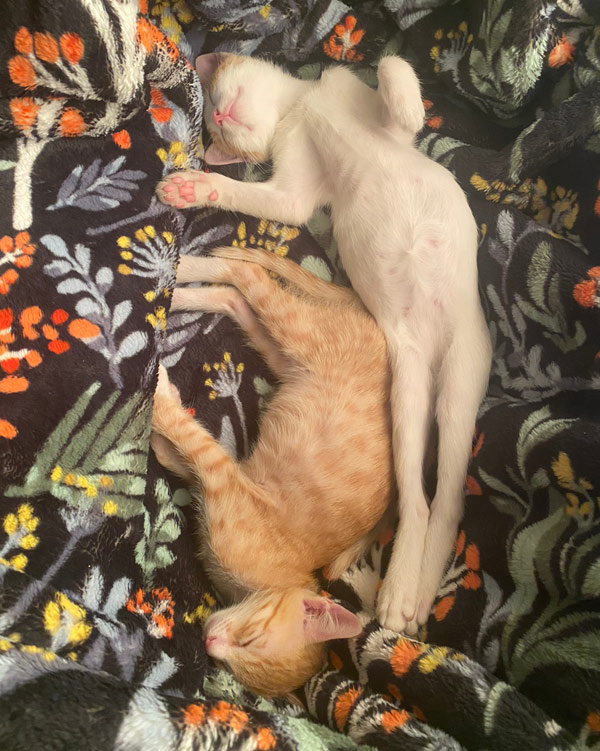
column 463, row 380
column 411, row 417
column 401, row 94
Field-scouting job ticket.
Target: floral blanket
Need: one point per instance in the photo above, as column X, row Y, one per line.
column 102, row 598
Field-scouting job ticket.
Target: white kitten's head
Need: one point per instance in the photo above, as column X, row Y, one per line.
column 244, row 97
column 273, row 641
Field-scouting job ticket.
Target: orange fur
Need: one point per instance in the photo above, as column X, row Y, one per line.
column 320, row 476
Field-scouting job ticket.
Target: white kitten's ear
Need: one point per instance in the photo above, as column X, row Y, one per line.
column 206, row 66
column 324, row 620
column 214, row 155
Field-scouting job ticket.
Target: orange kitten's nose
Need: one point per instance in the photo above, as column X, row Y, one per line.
column 215, row 646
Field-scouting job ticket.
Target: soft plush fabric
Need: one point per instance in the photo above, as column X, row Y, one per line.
column 102, row 598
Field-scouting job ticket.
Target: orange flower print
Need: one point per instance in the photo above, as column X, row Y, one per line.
column 341, row 45
column 158, row 611
column 344, row 704
column 403, row 656
column 122, row 139
column 24, row 111
column 45, row 46
column 21, row 72
column 159, row 109
column 472, row 486
column 148, row 35
column 71, row 47
column 587, row 293
column 18, row 253
column 393, row 719
column 561, row 53
column 23, row 41
column 72, row 122
column 26, row 69
column 433, row 121
column 464, row 572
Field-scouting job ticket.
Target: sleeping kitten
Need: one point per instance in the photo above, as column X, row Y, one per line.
column 318, row 480
column 408, row 242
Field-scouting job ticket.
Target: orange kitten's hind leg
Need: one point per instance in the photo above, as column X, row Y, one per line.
column 229, row 301
column 304, row 280
column 296, row 325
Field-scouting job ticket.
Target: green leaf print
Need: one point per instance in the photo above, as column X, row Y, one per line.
column 98, row 462
column 152, row 551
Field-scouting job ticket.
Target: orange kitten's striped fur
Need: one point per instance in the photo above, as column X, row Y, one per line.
column 316, row 483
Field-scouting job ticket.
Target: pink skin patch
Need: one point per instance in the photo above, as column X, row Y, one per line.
column 213, row 196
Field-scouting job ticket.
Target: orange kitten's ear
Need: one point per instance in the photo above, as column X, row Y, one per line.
column 214, row 155
column 324, row 620
column 206, row 66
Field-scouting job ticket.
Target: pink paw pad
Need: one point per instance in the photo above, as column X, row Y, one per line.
column 177, row 180
column 168, row 188
column 213, row 196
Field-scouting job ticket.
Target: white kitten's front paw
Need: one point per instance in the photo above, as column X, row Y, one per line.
column 397, row 606
column 186, row 189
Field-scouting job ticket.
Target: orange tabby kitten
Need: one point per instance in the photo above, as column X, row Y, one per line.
column 318, row 479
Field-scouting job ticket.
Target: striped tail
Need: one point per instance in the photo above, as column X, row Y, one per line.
column 205, row 457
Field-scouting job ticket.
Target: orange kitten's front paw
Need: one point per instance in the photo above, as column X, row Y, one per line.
column 183, row 190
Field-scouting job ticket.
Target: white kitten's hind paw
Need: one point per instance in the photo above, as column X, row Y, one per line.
column 397, row 606
column 182, row 190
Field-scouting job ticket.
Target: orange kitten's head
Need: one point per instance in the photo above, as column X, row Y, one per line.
column 273, row 641
column 243, row 98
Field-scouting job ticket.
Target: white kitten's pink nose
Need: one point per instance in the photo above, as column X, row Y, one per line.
column 219, row 117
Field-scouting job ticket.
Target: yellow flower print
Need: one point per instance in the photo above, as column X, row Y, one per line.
column 564, row 208
column 225, row 382
column 65, row 622
column 557, row 208
column 150, row 254
column 433, row 658
column 563, row 471
column 579, row 503
column 446, row 55
column 19, row 527
column 201, row 613
column 228, row 377
column 272, row 236
column 176, row 156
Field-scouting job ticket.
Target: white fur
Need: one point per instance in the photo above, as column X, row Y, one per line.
column 408, row 242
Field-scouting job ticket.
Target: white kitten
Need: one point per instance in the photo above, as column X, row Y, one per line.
column 408, row 242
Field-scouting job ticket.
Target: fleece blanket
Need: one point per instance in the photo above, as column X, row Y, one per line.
column 102, row 598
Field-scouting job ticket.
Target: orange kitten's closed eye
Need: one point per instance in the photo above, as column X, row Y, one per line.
column 275, row 640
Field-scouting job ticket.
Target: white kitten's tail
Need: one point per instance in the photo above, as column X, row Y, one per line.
column 401, row 94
